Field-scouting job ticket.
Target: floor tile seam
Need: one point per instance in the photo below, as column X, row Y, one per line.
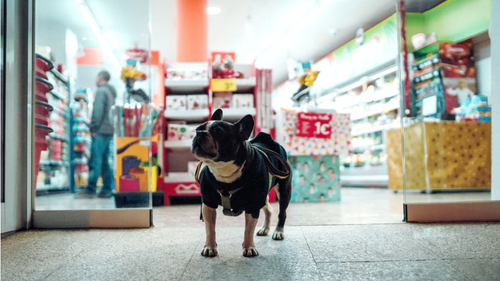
column 429, row 248
column 189, row 262
column 348, row 224
column 458, row 270
column 77, row 256
column 308, row 247
column 375, row 261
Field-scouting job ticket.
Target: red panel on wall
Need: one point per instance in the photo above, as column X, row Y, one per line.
column 92, row 56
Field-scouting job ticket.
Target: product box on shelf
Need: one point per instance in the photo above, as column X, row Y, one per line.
column 222, row 100
column 176, row 102
column 177, row 132
column 243, row 101
column 315, row 178
column 197, row 102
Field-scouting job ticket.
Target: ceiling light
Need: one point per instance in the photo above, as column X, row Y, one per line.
column 213, row 10
column 89, row 17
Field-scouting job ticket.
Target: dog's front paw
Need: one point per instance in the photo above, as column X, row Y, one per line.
column 263, row 232
column 250, row 252
column 209, row 251
column 278, row 235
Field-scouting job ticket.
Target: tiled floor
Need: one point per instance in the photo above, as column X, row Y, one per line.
column 359, row 239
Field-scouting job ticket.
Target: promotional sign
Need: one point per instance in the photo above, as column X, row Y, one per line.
column 223, row 85
column 314, row 125
column 138, row 54
column 91, row 56
column 223, row 55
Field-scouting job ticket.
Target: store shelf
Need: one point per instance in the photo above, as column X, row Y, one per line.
column 376, row 129
column 57, row 95
column 59, row 76
column 177, row 145
column 377, row 147
column 187, row 85
column 188, row 115
column 372, row 113
column 365, row 98
column 57, row 137
column 54, row 163
column 178, row 177
column 246, row 84
column 51, row 188
column 235, row 114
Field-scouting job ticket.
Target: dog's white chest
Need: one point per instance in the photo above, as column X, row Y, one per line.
column 226, row 172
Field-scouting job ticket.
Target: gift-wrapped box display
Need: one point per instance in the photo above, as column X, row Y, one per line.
column 337, row 142
column 176, row 102
column 315, row 178
column 197, row 102
column 243, row 101
column 223, row 100
column 178, row 132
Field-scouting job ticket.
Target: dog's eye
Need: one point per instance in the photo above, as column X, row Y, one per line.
column 216, row 131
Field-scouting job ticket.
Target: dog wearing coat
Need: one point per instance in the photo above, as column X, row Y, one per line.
column 238, row 174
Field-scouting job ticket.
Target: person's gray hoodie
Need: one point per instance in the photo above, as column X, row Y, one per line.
column 102, row 123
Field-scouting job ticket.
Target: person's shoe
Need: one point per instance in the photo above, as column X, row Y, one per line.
column 105, row 194
column 84, row 194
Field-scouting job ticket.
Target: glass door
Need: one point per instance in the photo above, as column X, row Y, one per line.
column 93, row 142
column 445, row 142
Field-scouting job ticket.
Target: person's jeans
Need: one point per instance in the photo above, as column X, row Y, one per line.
column 99, row 164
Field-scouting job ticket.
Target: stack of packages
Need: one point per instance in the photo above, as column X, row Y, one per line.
column 315, row 161
column 475, row 109
column 133, row 120
column 42, row 110
column 189, row 102
column 81, row 136
column 228, row 100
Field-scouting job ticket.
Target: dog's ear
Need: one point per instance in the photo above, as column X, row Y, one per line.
column 217, row 116
column 244, row 127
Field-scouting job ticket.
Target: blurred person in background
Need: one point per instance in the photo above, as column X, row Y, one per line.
column 101, row 129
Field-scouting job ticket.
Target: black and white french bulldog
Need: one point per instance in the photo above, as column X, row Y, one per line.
column 237, row 170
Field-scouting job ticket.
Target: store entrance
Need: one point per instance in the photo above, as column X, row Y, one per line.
column 93, row 116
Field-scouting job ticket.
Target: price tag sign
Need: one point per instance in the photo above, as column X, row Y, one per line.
column 315, row 125
column 224, row 85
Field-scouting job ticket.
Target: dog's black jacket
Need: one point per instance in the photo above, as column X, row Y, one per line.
column 254, row 180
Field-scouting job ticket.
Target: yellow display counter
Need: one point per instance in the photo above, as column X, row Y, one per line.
column 441, row 156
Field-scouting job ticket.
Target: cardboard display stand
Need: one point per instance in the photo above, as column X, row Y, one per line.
column 313, row 141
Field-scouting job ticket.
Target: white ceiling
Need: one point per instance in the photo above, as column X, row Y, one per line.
column 299, row 29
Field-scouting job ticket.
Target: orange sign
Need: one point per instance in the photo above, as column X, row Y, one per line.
column 223, row 55
column 92, row 56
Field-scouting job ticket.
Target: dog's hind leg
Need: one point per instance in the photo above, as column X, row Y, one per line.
column 284, row 193
column 268, row 211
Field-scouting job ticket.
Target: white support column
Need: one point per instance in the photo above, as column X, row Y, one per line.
column 495, row 100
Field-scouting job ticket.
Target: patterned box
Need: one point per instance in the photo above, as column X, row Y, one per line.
column 243, row 101
column 339, row 142
column 315, row 178
column 197, row 102
column 176, row 102
column 178, row 132
column 222, row 100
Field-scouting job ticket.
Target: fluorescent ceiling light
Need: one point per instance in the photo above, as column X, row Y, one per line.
column 89, row 17
column 213, row 10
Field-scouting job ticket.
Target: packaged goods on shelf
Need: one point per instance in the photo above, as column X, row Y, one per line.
column 187, row 74
column 176, row 102
column 197, row 102
column 243, row 100
column 223, row 100
column 180, row 132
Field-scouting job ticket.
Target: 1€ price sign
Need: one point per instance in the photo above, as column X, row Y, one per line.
column 315, row 125
column 223, row 85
